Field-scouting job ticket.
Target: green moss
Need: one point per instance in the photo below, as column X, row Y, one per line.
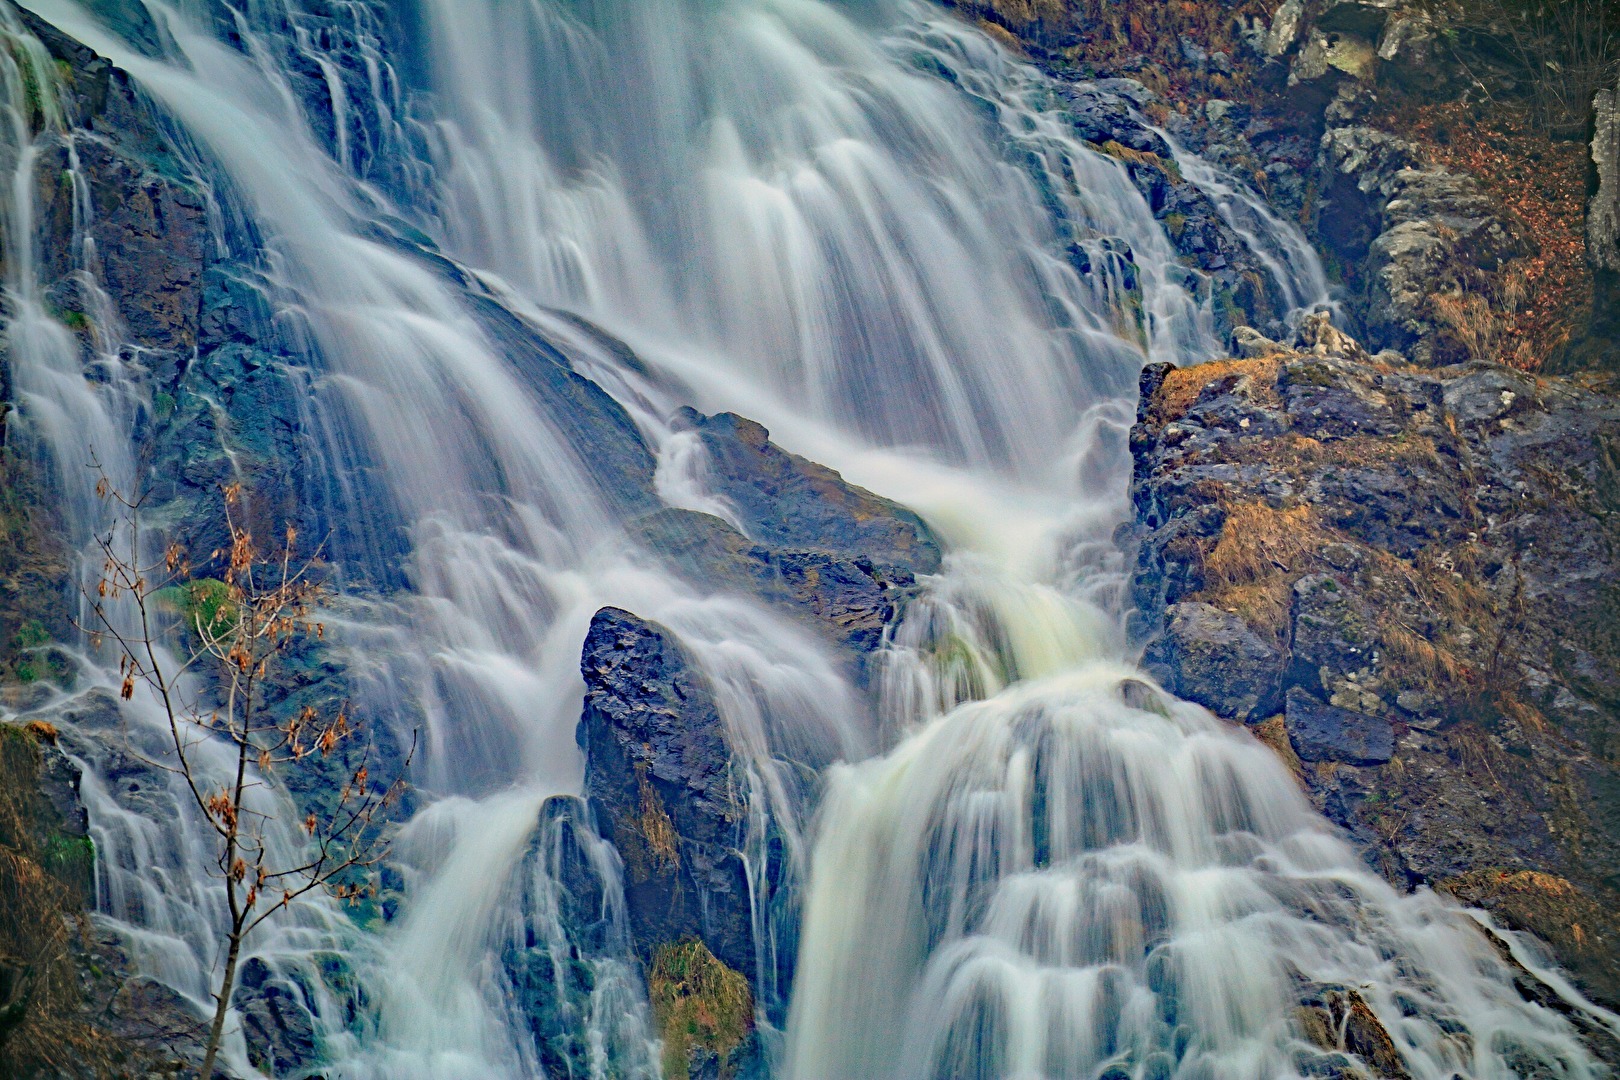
column 31, row 635
column 1175, row 224
column 71, row 859
column 204, row 602
column 163, row 405
column 699, row 1004
column 1311, row 375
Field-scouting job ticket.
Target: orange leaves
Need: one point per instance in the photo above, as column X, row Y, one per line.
column 222, row 807
column 1540, row 179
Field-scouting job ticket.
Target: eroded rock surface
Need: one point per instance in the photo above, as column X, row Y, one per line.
column 1405, row 580
column 667, row 789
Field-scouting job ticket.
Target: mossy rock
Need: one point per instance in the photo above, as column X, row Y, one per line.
column 703, row 1008
column 204, row 602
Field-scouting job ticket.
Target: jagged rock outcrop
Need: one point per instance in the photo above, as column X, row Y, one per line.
column 672, row 794
column 833, row 555
column 667, row 789
column 1404, row 230
column 1403, row 580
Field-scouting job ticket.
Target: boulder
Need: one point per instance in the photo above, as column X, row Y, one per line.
column 1214, row 658
column 1437, row 550
column 787, row 502
column 1321, row 732
column 667, row 789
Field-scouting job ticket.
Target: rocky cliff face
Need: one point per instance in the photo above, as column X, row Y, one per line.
column 1397, row 571
column 1403, row 580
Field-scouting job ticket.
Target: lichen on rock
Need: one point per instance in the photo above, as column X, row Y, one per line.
column 1411, row 567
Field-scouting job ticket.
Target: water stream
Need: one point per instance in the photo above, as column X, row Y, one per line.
column 855, row 224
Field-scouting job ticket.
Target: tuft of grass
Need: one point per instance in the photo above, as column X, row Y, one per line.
column 699, row 1004
column 656, row 826
column 1119, row 152
column 1183, row 385
column 1259, row 554
column 1274, row 734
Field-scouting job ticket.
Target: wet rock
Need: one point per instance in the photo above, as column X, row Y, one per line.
column 608, row 448
column 784, row 501
column 1436, row 551
column 567, row 932
column 147, row 217
column 276, row 1021
column 150, row 233
column 1321, row 732
column 1214, row 658
column 131, row 21
column 666, row 789
column 1339, row 1018
column 847, row 600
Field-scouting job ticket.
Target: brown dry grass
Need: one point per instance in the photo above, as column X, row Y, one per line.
column 1258, row 542
column 1148, row 158
column 1183, row 385
column 1260, row 553
column 42, row 1029
column 656, row 826
column 1274, row 734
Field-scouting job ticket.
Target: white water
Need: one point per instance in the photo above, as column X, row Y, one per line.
column 848, row 224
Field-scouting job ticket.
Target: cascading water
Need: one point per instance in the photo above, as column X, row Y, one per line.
column 857, row 226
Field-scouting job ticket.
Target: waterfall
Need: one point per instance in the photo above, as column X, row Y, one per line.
column 869, row 227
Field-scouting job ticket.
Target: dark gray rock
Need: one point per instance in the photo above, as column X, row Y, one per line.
column 1321, row 732
column 666, row 789
column 1214, row 658
column 787, row 502
column 276, row 1021
column 1332, row 635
